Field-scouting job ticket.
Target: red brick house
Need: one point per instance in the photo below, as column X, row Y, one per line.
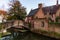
column 40, row 16
column 37, row 17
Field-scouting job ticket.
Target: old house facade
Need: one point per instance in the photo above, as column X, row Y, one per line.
column 37, row 18
column 41, row 17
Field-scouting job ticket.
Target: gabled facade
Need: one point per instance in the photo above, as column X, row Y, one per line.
column 40, row 16
column 45, row 20
column 46, row 12
column 37, row 18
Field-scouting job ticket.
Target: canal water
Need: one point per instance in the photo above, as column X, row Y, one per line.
column 26, row 36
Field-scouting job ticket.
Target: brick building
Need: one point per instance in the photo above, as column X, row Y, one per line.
column 39, row 17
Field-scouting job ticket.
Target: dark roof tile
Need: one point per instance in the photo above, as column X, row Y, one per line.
column 32, row 12
column 50, row 9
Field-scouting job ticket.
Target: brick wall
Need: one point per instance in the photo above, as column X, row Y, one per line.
column 54, row 27
column 38, row 25
column 39, row 14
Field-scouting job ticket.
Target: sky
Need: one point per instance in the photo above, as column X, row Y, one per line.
column 28, row 4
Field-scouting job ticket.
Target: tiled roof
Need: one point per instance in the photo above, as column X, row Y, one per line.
column 50, row 9
column 32, row 12
column 2, row 12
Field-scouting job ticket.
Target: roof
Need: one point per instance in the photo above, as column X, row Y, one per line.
column 50, row 9
column 3, row 12
column 32, row 12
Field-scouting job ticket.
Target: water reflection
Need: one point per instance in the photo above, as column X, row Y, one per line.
column 26, row 36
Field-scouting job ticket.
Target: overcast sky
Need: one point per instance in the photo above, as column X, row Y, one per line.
column 29, row 4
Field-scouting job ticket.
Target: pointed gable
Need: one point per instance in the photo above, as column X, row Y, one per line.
column 51, row 9
column 39, row 14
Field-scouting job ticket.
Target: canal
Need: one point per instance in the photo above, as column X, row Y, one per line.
column 26, row 36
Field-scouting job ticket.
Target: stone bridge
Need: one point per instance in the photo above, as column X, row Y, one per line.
column 14, row 23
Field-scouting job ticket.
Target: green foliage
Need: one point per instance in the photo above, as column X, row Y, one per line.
column 0, row 26
column 29, row 24
column 17, row 11
column 54, row 22
column 57, row 18
column 0, row 35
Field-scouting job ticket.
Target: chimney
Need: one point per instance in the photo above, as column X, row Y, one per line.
column 40, row 5
column 57, row 2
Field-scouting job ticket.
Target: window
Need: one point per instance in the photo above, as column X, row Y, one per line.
column 42, row 24
column 36, row 17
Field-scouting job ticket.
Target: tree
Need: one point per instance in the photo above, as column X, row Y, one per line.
column 16, row 11
column 0, row 26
